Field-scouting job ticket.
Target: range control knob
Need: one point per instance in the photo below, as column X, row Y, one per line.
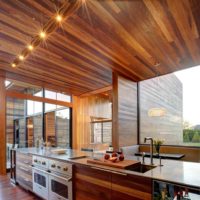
column 58, row 167
column 53, row 165
column 65, row 169
column 43, row 163
column 35, row 160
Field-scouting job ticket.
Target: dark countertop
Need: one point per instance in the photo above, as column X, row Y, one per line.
column 176, row 171
column 162, row 155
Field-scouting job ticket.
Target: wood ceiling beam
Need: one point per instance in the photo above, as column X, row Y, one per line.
column 98, row 91
column 13, row 94
column 37, row 82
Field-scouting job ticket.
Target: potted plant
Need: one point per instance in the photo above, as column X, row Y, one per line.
column 157, row 143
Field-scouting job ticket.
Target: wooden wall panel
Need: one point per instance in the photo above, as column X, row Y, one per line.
column 124, row 112
column 85, row 107
column 3, row 124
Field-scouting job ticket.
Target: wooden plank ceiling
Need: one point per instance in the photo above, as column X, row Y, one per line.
column 139, row 39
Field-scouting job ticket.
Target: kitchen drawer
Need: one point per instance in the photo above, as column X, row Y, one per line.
column 23, row 158
column 24, row 180
column 27, row 169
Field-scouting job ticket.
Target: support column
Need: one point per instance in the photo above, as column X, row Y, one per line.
column 74, row 123
column 2, row 124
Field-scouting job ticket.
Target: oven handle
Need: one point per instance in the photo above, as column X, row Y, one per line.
column 40, row 170
column 65, row 179
column 49, row 173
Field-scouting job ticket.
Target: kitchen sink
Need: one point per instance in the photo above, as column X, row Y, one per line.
column 140, row 168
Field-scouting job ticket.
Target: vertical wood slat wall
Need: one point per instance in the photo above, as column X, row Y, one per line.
column 124, row 112
column 83, row 109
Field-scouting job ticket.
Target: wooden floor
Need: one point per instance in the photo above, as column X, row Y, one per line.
column 9, row 191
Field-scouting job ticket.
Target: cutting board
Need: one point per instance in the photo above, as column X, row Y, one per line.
column 118, row 164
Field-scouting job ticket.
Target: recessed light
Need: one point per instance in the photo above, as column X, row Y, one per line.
column 21, row 57
column 30, row 47
column 13, row 65
column 58, row 18
column 42, row 34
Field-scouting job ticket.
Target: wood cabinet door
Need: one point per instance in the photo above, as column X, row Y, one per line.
column 91, row 183
column 130, row 187
column 24, row 170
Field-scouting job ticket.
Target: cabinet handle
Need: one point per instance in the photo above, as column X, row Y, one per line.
column 26, row 162
column 120, row 173
column 107, row 170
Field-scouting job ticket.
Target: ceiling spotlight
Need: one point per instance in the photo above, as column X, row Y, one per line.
column 42, row 34
column 30, row 47
column 58, row 18
column 13, row 65
column 21, row 57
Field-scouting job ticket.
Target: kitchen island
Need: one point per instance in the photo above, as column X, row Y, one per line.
column 91, row 181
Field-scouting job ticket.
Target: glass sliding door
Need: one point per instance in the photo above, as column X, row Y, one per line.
column 50, row 131
column 63, row 126
column 22, row 133
column 37, row 127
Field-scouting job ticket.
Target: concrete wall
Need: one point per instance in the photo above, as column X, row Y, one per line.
column 162, row 92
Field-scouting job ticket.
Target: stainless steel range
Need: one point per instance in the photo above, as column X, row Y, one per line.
column 52, row 179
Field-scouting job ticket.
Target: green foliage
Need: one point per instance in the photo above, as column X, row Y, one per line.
column 190, row 135
column 196, row 137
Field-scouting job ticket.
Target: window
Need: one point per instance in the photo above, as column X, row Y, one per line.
column 33, row 107
column 101, row 130
column 170, row 108
column 63, row 97
column 30, row 107
column 7, row 83
column 49, row 107
column 56, row 96
column 50, row 94
column 63, row 127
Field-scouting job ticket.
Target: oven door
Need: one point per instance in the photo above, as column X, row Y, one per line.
column 60, row 188
column 40, row 183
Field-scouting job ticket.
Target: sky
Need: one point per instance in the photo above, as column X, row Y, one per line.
column 190, row 79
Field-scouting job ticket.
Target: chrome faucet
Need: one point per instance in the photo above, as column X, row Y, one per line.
column 151, row 147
